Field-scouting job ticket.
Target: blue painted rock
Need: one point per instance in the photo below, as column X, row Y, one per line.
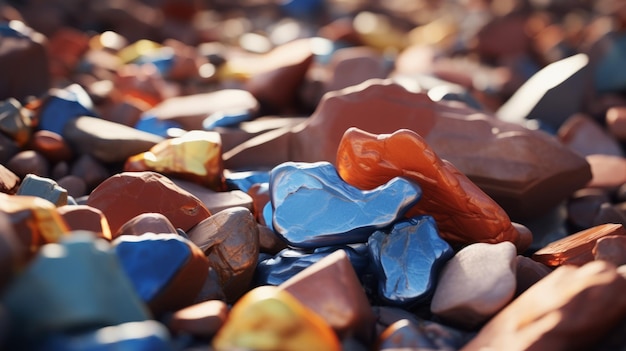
column 230, row 240
column 166, row 270
column 147, row 335
column 289, row 262
column 313, row 207
column 151, row 124
column 12, row 255
column 45, row 188
column 243, row 180
column 408, row 260
column 75, row 283
column 226, row 119
column 62, row 106
column 125, row 195
column 341, row 302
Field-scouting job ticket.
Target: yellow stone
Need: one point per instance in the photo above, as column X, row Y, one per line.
column 196, row 156
column 137, row 49
column 267, row 318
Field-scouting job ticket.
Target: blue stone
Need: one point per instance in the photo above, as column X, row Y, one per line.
column 244, row 180
column 408, row 260
column 268, row 214
column 225, row 119
column 301, row 8
column 7, row 31
column 64, row 105
column 162, row 59
column 148, row 335
column 289, row 262
column 609, row 73
column 151, row 124
column 313, row 207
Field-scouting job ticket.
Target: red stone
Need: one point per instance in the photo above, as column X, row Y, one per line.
column 83, row 217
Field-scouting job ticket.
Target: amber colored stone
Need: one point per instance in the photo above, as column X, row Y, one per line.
column 576, row 249
column 341, row 302
column 191, row 110
column 51, row 145
column 612, row 249
column 216, row 201
column 196, row 155
column 125, row 195
column 464, row 213
column 9, row 181
column 557, row 314
column 586, row 137
column 29, row 161
column 230, row 240
column 609, row 172
column 35, row 220
column 269, row 241
column 146, row 223
column 616, row 122
column 83, row 217
column 203, row 319
column 268, row 318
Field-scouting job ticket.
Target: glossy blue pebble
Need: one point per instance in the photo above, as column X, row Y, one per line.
column 153, row 125
column 408, row 260
column 148, row 335
column 289, row 262
column 64, row 105
column 245, row 179
column 225, row 119
column 151, row 260
column 313, row 207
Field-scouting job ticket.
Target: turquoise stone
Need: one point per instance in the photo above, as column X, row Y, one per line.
column 313, row 207
column 408, row 259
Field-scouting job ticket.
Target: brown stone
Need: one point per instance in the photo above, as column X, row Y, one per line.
column 75, row 186
column 231, row 137
column 126, row 112
column 9, row 181
column 90, row 170
column 612, row 249
column 368, row 160
column 556, row 313
column 260, row 194
column 586, row 137
column 51, row 145
column 609, row 213
column 576, row 249
column 29, row 162
column 216, row 201
column 107, row 141
column 230, row 240
column 528, row 272
column 269, row 241
column 584, row 205
column 150, row 222
column 203, row 319
column 125, row 195
column 191, row 110
column 616, row 122
column 609, row 172
column 83, row 217
column 341, row 302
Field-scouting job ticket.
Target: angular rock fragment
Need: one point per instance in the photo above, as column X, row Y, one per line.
column 45, row 188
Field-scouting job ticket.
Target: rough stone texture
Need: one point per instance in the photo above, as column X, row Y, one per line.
column 166, row 270
column 268, row 318
column 299, row 190
column 42, row 301
column 45, row 188
column 408, row 259
column 85, row 218
column 195, row 156
column 576, row 249
column 611, row 249
column 125, row 195
column 191, row 110
column 475, row 284
column 556, row 314
column 107, row 141
column 464, row 213
column 586, row 137
column 341, row 301
column 230, row 240
column 269, row 241
column 203, row 319
column 152, row 222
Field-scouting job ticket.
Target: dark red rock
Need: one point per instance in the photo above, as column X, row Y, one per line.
column 146, row 223
column 608, row 172
column 51, row 145
column 216, row 201
column 83, row 217
column 125, row 195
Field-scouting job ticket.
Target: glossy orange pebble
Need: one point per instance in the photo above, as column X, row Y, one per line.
column 196, row 156
column 576, row 249
column 463, row 212
column 268, row 318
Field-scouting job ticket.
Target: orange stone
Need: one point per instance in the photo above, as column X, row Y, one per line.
column 576, row 249
column 463, row 212
column 269, row 318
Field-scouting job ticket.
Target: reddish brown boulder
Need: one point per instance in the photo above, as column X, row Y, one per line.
column 125, row 195
column 586, row 137
column 609, row 172
column 83, row 217
column 146, row 223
